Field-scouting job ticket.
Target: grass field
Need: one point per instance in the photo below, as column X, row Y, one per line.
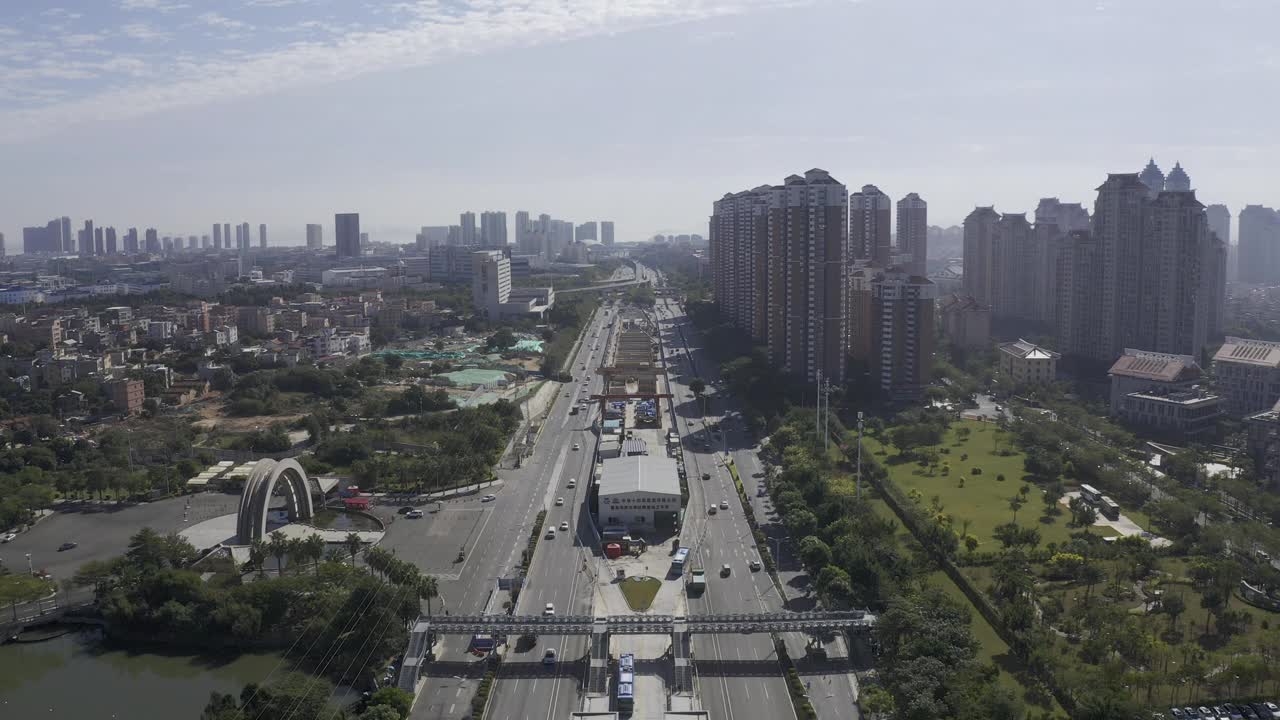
column 640, row 591
column 983, row 499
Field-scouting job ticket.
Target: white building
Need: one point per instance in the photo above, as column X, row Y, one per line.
column 490, row 282
column 641, row 491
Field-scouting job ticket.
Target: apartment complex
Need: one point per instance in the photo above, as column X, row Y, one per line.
column 891, row 329
column 869, row 225
column 780, row 268
column 913, row 232
column 1259, row 245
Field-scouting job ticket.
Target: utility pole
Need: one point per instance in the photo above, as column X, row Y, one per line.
column 817, row 410
column 858, row 474
column 825, row 390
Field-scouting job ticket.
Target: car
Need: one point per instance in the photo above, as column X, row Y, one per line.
column 725, row 570
column 1232, row 711
column 551, row 533
column 1204, row 712
column 1177, row 714
column 576, row 446
column 559, row 502
column 405, row 510
column 67, row 546
column 1221, row 713
column 1190, row 712
column 489, row 498
column 706, row 476
column 754, row 564
column 711, row 510
column 1275, row 709
column 724, row 504
column 1261, row 710
column 550, row 609
column 1248, row 712
column 564, row 525
column 549, row 657
column 413, row 514
column 573, row 483
column 8, row 537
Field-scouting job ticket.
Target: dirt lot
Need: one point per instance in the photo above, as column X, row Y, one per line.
column 209, row 412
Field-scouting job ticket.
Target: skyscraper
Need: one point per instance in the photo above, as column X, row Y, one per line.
column 204, row 242
column 226, row 236
column 346, row 233
column 1152, row 177
column 262, row 236
column 891, row 321
column 1220, row 225
column 1259, row 253
column 131, row 241
column 68, row 239
column 1178, row 180
column 606, row 232
column 86, row 239
column 217, row 236
column 246, row 237
column 99, row 242
column 869, row 212
column 780, row 270
column 111, row 241
column 468, row 223
column 493, row 229
column 913, row 232
column 315, row 236
column 152, row 241
column 192, row 242
column 522, row 227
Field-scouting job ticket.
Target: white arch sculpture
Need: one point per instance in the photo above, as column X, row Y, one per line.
column 251, row 523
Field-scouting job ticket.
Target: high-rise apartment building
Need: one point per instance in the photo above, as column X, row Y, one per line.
column 47, row 239
column 86, row 239
column 468, row 224
column 1220, row 225
column 913, row 232
column 1054, row 219
column 226, row 235
column 490, row 282
column 585, row 232
column 68, row 238
column 217, row 236
column 1013, row 268
column 262, row 236
column 606, row 232
column 455, row 236
column 99, row 242
column 1259, row 253
column 979, row 240
column 779, row 260
column 111, row 241
column 204, row 242
column 152, row 241
column 1079, row 306
column 346, row 232
column 315, row 236
column 522, row 226
column 246, row 237
column 493, row 229
column 193, row 242
column 1174, row 278
column 891, row 329
column 131, row 241
column 869, row 225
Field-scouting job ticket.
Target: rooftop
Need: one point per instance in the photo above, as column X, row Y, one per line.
column 1162, row 367
column 640, row 473
column 1028, row 350
column 1249, row 352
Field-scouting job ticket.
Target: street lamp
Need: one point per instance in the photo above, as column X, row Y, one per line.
column 30, row 570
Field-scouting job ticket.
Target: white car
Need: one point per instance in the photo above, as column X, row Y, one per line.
column 551, row 533
column 559, row 501
column 724, row 504
column 8, row 537
column 573, row 483
column 550, row 609
column 576, row 446
column 564, row 525
column 488, row 498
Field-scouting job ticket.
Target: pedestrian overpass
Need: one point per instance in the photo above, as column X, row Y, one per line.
column 680, row 628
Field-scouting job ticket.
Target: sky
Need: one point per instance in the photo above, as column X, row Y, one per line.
column 176, row 114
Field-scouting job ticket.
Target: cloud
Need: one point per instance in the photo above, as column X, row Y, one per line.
column 144, row 32
column 79, row 40
column 433, row 33
column 157, row 5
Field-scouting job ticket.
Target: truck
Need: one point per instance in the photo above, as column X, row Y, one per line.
column 697, row 580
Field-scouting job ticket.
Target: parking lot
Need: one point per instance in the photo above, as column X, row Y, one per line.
column 102, row 530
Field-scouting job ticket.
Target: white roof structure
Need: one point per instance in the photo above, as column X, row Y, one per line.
column 640, row 473
column 1028, row 350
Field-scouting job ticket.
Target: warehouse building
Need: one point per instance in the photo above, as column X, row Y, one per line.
column 639, row 492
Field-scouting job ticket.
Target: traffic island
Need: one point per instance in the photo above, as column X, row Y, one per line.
column 640, row 591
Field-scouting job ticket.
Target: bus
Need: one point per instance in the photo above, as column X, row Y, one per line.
column 1109, row 508
column 1090, row 494
column 626, row 684
column 677, row 562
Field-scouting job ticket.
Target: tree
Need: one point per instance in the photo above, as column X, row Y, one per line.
column 428, row 589
column 380, row 712
column 815, row 553
column 313, row 549
column 353, row 543
column 278, row 546
column 1090, row 575
column 258, row 555
column 394, row 698
column 1015, row 504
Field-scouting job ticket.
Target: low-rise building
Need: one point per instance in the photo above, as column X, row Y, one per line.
column 1023, row 362
column 1185, row 413
column 127, row 395
column 640, row 491
column 1248, row 375
column 1147, row 371
column 1264, row 445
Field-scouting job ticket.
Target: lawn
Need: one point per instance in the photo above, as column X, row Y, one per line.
column 983, row 499
column 640, row 591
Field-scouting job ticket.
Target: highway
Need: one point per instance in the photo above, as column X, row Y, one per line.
column 494, row 534
column 738, row 675
column 560, row 574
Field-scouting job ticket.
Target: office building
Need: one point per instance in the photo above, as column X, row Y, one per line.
column 432, row 236
column 606, row 232
column 586, row 232
column 315, row 236
column 467, row 221
column 1259, row 253
column 1178, row 180
column 262, row 236
column 1152, row 178
column 1162, row 391
column 346, row 233
column 869, row 226
column 493, row 229
column 779, row 265
column 490, row 282
column 1248, row 375
column 913, row 232
column 1025, row 363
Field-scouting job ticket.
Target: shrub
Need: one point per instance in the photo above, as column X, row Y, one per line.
column 975, row 471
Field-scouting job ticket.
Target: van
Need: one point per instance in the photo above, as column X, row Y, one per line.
column 551, row 533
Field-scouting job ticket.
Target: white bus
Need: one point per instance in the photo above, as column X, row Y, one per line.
column 1090, row 494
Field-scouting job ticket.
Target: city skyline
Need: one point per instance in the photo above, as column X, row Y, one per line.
column 996, row 140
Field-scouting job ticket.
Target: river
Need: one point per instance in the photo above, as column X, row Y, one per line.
column 75, row 677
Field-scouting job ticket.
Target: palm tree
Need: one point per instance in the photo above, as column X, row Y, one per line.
column 1091, row 575
column 428, row 588
column 1015, row 504
column 297, row 548
column 258, row 555
column 353, row 543
column 278, row 546
column 314, row 547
